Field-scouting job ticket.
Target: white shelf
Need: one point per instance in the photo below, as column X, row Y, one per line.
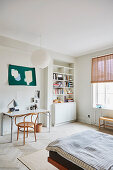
column 58, row 72
column 65, row 111
column 70, row 68
column 57, row 80
column 63, row 80
column 68, row 87
column 62, row 94
column 59, row 66
column 68, row 74
column 61, row 87
column 58, row 87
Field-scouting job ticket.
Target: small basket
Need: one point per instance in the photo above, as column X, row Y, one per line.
column 39, row 127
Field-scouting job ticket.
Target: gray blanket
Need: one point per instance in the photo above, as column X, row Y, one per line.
column 91, row 147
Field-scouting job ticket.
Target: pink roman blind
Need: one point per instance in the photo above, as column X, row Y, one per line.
column 102, row 69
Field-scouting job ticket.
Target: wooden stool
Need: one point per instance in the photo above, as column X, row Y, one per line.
column 105, row 119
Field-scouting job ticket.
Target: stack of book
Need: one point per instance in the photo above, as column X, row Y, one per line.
column 70, row 100
column 55, row 85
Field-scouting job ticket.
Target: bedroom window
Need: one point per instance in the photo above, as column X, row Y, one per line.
column 103, row 94
column 102, row 79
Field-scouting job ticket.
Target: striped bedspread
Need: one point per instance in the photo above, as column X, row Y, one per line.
column 88, row 149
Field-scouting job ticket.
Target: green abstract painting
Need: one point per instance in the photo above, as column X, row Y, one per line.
column 19, row 75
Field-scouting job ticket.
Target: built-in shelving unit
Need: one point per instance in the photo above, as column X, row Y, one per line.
column 64, row 105
column 63, row 82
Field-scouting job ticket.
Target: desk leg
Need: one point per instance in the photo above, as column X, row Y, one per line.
column 11, row 129
column 2, row 117
column 39, row 118
column 49, row 121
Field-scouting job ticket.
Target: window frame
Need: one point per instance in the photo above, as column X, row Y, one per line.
column 95, row 96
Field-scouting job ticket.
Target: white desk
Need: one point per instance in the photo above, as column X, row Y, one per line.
column 16, row 113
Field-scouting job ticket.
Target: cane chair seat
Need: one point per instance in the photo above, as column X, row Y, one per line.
column 26, row 124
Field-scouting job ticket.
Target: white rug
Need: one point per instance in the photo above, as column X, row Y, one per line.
column 37, row 161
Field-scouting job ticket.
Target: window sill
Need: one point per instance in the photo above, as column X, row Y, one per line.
column 103, row 108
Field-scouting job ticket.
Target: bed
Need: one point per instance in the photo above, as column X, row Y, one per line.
column 88, row 150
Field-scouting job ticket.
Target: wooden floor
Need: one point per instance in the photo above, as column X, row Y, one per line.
column 10, row 151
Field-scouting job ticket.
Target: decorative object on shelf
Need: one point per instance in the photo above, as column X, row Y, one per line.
column 55, row 101
column 58, row 100
column 12, row 106
column 54, row 76
column 69, row 92
column 19, row 75
column 60, row 77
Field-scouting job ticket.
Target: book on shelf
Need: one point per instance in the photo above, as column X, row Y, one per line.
column 68, row 99
column 70, row 84
column 58, row 91
column 58, row 84
column 54, row 76
column 66, row 77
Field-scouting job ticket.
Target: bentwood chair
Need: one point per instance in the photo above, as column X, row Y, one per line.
column 26, row 124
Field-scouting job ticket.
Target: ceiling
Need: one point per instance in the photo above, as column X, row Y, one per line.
column 72, row 27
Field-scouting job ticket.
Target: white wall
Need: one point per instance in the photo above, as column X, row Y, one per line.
column 84, row 88
column 22, row 94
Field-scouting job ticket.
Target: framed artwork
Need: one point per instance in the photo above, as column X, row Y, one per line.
column 19, row 75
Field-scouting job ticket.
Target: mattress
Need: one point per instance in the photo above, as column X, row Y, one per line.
column 89, row 149
column 62, row 161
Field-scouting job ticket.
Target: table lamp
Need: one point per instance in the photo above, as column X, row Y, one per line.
column 12, row 105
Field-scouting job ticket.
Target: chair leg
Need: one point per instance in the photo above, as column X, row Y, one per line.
column 104, row 123
column 27, row 131
column 99, row 123
column 18, row 133
column 24, row 137
column 35, row 132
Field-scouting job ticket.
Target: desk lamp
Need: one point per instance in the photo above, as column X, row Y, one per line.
column 12, row 106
